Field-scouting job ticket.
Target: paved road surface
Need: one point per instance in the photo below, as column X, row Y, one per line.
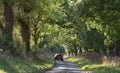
column 66, row 67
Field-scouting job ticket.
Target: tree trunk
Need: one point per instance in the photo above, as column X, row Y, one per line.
column 35, row 34
column 80, row 49
column 97, row 50
column 104, row 50
column 117, row 48
column 76, row 51
column 1, row 28
column 25, row 31
column 8, row 30
column 111, row 50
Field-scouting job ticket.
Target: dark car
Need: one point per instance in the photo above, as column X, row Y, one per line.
column 58, row 57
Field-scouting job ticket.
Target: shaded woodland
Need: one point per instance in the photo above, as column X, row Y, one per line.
column 40, row 27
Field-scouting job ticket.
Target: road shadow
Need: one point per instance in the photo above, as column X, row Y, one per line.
column 66, row 67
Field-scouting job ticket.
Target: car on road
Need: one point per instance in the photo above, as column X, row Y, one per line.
column 58, row 57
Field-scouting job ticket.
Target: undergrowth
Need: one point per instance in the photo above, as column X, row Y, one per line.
column 94, row 66
column 22, row 66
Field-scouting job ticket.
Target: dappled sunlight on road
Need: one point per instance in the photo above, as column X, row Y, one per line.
column 66, row 67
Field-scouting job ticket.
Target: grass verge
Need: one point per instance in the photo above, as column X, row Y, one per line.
column 94, row 67
column 21, row 66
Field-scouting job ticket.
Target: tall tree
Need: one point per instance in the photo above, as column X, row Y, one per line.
column 104, row 14
column 7, row 30
column 25, row 31
column 25, row 8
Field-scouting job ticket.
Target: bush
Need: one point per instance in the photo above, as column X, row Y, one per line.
column 111, row 61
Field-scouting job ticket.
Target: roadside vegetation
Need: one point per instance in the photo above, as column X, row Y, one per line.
column 95, row 67
column 22, row 66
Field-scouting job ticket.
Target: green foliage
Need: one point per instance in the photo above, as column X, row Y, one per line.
column 95, row 39
column 86, row 15
column 107, row 70
column 104, row 14
column 91, row 24
column 56, row 48
column 94, row 67
column 21, row 66
column 5, row 44
column 56, row 25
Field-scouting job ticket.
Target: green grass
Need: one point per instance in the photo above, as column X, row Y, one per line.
column 94, row 67
column 21, row 66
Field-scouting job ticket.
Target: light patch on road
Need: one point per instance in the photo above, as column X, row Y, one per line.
column 66, row 67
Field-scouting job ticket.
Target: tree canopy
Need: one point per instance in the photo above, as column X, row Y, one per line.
column 60, row 25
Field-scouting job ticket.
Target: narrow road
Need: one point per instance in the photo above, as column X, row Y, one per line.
column 66, row 67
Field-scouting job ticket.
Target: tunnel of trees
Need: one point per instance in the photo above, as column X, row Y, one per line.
column 74, row 26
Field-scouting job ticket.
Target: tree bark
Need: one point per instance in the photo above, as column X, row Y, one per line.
column 9, row 18
column 117, row 48
column 25, row 31
column 35, row 34
column 104, row 50
column 8, row 30
column 80, row 50
column 1, row 27
column 97, row 50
